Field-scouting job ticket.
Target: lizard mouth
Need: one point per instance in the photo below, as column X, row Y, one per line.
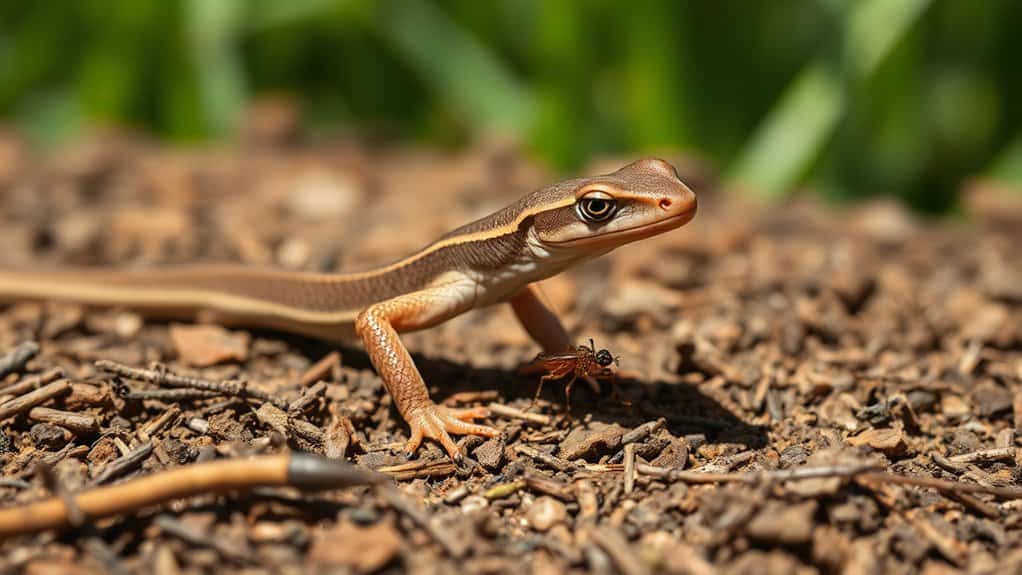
column 618, row 237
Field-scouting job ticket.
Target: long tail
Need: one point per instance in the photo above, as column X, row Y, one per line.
column 321, row 305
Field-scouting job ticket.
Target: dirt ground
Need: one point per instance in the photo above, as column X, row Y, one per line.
column 752, row 342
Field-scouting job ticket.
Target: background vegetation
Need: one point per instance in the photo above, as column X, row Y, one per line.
column 849, row 98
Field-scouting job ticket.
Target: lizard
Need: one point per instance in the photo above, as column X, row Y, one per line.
column 497, row 258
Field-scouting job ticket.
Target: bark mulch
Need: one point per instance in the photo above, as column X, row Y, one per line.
column 782, row 371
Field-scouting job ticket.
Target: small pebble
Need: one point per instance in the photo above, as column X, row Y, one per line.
column 474, row 503
column 545, row 512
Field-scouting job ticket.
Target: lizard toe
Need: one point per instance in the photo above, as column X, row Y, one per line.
column 438, row 422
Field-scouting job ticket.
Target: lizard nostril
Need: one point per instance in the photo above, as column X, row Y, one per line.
column 665, row 203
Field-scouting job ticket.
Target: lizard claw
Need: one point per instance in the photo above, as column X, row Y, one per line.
column 437, row 422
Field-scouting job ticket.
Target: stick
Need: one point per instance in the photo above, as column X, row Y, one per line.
column 181, row 394
column 800, row 473
column 508, row 411
column 76, row 422
column 30, row 383
column 944, row 486
column 154, row 426
column 984, row 455
column 165, row 378
column 33, row 398
column 122, row 465
column 552, row 461
column 308, row 398
column 642, row 431
column 321, row 369
column 629, row 475
column 419, row 469
column 51, row 459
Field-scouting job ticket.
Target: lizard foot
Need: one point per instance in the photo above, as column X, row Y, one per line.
column 438, row 421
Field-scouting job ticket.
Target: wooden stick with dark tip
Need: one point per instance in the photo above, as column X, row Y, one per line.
column 292, row 470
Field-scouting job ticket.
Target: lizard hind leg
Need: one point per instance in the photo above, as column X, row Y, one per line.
column 378, row 326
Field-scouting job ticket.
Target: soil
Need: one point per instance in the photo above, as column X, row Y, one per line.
column 754, row 340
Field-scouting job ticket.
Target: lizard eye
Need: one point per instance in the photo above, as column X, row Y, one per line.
column 604, row 358
column 596, row 207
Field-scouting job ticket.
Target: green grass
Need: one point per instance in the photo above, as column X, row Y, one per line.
column 850, row 99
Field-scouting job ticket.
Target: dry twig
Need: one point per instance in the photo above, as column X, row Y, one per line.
column 629, row 475
column 33, row 398
column 30, row 383
column 182, row 394
column 124, row 464
column 421, row 469
column 508, row 411
column 984, row 455
column 642, row 431
column 76, row 422
column 322, row 369
column 551, row 461
column 164, row 378
column 758, row 477
column 154, row 426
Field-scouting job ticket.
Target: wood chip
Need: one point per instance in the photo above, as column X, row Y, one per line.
column 206, row 345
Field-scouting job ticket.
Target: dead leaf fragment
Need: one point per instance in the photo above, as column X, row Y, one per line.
column 364, row 549
column 205, row 345
column 886, row 440
column 586, row 441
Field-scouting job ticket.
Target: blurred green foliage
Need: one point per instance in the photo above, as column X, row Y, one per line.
column 852, row 98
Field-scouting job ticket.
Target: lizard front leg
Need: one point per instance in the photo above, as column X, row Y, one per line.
column 539, row 320
column 378, row 326
column 543, row 326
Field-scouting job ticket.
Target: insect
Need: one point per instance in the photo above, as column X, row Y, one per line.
column 582, row 361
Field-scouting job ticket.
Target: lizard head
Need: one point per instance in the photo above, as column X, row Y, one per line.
column 597, row 214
